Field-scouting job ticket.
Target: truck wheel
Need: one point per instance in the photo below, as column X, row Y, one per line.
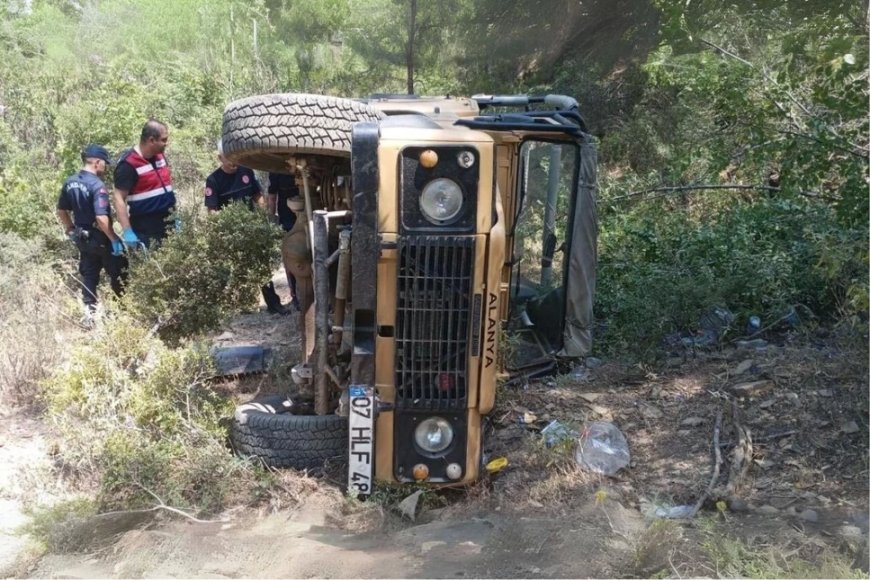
column 261, row 132
column 264, row 428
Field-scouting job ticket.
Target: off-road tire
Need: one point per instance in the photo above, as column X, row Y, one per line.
column 265, row 430
column 261, row 132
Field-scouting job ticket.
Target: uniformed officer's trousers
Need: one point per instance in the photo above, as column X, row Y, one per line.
column 93, row 258
column 151, row 228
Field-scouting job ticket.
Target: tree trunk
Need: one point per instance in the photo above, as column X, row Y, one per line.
column 409, row 53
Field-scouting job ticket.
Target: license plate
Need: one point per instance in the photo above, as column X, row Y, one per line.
column 361, row 439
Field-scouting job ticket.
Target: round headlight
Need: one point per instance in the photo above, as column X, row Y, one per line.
column 433, row 435
column 441, row 201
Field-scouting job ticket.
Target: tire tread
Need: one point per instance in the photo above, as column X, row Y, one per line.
column 284, row 440
column 258, row 131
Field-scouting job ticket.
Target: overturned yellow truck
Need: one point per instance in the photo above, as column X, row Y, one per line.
column 441, row 245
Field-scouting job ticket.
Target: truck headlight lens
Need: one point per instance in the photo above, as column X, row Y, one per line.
column 441, row 201
column 434, row 435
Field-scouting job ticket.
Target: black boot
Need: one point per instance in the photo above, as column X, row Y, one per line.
column 273, row 301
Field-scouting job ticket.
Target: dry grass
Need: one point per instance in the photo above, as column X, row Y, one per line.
column 719, row 548
column 285, row 489
column 769, row 553
column 563, row 479
column 657, row 547
column 37, row 310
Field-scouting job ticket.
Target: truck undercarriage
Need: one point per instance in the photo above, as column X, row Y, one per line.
column 437, row 250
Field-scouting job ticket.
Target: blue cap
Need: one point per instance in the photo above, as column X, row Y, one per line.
column 97, row 152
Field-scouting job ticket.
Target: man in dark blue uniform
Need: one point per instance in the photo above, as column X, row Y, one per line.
column 281, row 188
column 232, row 183
column 83, row 210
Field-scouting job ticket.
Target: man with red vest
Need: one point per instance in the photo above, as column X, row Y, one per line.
column 143, row 195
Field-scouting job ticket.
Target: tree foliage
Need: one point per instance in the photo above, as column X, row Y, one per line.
column 768, row 93
column 790, row 99
column 507, row 41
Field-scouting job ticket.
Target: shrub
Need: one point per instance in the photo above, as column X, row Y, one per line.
column 136, row 415
column 59, row 527
column 139, row 418
column 28, row 188
column 213, row 267
column 663, row 263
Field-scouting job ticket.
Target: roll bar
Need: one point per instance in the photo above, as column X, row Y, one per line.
column 564, row 117
column 559, row 102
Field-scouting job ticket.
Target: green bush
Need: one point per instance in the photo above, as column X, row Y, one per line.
column 28, row 193
column 140, row 419
column 136, row 414
column 59, row 527
column 663, row 264
column 211, row 268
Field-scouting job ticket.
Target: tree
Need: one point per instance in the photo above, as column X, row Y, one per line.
column 787, row 83
column 420, row 38
column 525, row 41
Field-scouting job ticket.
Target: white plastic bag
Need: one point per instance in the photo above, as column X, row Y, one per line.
column 602, row 448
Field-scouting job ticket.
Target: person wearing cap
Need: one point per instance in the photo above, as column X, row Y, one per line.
column 144, row 197
column 282, row 188
column 83, row 210
column 231, row 183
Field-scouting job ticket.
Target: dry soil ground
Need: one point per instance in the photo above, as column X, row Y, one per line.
column 800, row 508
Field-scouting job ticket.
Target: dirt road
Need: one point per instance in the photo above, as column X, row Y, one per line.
column 303, row 544
column 598, row 539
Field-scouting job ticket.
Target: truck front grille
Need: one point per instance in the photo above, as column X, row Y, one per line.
column 432, row 321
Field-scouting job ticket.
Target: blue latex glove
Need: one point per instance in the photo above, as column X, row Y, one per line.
column 117, row 248
column 177, row 224
column 71, row 235
column 131, row 240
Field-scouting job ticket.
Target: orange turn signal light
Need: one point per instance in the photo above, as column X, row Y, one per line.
column 421, row 472
column 428, row 159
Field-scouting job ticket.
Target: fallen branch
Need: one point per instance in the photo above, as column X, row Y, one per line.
column 157, row 508
column 765, row 437
column 679, row 188
column 716, row 465
column 742, row 454
column 861, row 152
column 161, row 506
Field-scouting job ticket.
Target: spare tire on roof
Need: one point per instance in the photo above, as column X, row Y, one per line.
column 261, row 132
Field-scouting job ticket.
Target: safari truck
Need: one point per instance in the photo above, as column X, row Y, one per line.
column 441, row 245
